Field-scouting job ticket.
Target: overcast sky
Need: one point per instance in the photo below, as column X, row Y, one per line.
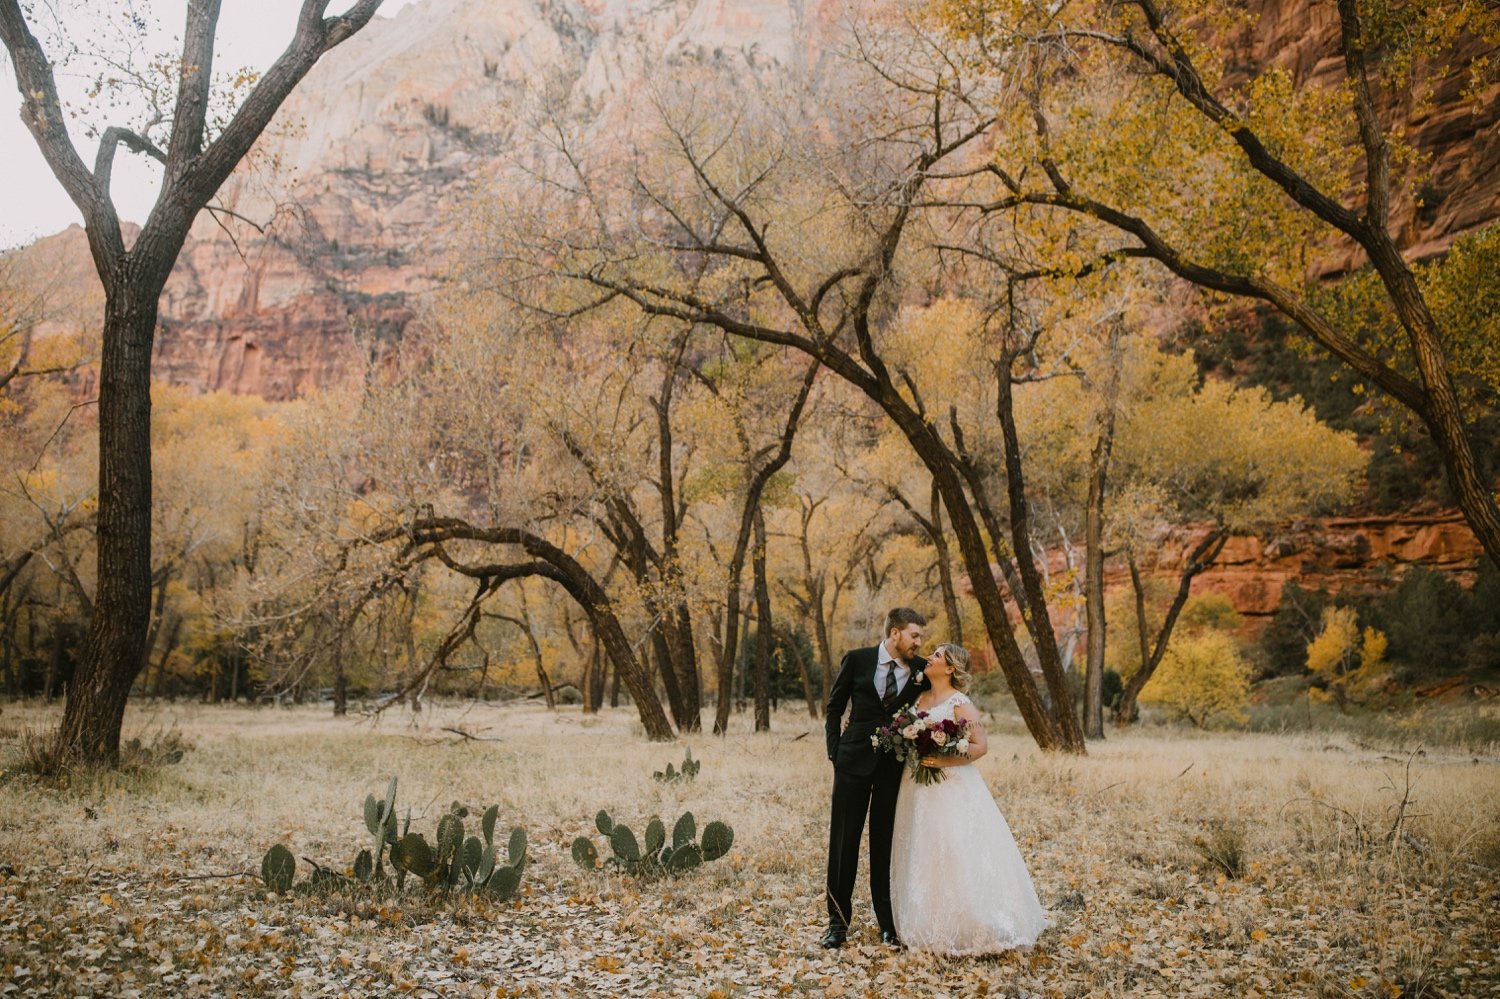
column 32, row 203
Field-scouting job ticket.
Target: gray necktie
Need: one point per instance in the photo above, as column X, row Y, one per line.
column 890, row 684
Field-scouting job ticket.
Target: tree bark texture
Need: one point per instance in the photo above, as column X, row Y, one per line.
column 1093, row 545
column 765, row 628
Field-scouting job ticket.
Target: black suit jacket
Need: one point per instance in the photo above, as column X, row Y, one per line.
column 849, row 748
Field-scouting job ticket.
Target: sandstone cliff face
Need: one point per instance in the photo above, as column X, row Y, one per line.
column 1332, row 553
column 387, row 136
column 1461, row 137
column 370, row 159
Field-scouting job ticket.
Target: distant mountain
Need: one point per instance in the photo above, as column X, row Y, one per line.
column 395, row 128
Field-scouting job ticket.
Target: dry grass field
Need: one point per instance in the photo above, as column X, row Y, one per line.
column 141, row 884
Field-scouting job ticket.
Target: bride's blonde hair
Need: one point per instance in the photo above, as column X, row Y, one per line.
column 958, row 657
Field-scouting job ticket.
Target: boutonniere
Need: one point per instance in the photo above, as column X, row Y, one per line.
column 918, row 676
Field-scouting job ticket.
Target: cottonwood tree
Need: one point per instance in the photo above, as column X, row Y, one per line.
column 690, row 237
column 1218, row 461
column 195, row 162
column 1237, row 178
column 482, row 471
column 755, row 411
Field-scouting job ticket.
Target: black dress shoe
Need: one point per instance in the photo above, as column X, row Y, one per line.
column 833, row 938
column 889, row 938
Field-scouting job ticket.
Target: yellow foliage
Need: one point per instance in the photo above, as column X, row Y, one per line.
column 1348, row 661
column 1203, row 678
column 1372, row 650
column 1335, row 650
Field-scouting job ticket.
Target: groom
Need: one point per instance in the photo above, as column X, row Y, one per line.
column 873, row 684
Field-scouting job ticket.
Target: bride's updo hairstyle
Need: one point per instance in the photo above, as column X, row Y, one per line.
column 958, row 658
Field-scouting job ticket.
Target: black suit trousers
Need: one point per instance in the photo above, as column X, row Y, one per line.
column 854, row 797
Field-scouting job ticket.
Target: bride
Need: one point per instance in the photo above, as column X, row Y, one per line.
column 958, row 883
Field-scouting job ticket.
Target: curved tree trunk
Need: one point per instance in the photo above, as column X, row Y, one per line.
column 945, row 569
column 555, row 564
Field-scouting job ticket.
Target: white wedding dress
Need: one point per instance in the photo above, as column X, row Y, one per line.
column 958, row 883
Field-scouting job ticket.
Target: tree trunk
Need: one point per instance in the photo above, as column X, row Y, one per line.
column 765, row 631
column 661, row 654
column 945, row 569
column 60, row 634
column 1093, row 547
column 340, row 674
column 159, row 580
column 1443, row 417
column 813, row 700
column 114, row 651
column 685, row 660
column 10, row 611
column 682, row 660
column 236, row 666
column 174, row 632
column 1046, row 724
column 1035, row 611
column 536, row 654
column 729, row 649
column 613, row 669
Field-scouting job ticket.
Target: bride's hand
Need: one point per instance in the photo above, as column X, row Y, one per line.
column 935, row 762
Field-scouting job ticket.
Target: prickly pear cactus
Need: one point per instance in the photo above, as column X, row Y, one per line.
column 505, row 883
column 655, row 857
column 656, row 836
column 585, row 854
column 364, row 866
column 684, row 831
column 487, row 824
column 278, row 868
column 717, row 839
column 515, row 851
column 624, row 843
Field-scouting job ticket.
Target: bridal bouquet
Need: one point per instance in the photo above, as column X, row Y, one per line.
column 911, row 735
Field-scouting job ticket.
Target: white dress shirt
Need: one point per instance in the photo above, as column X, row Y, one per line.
column 884, row 662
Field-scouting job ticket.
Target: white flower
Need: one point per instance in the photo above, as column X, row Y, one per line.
column 939, row 737
column 918, row 676
column 910, row 732
column 875, row 741
column 963, row 745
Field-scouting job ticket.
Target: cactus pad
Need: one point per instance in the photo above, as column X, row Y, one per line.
column 278, row 868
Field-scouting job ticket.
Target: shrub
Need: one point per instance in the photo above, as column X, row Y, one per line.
column 1429, row 620
column 1222, row 848
column 1201, row 678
